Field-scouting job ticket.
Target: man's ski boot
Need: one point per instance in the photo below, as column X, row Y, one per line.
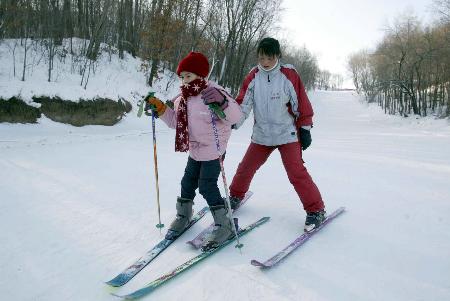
column 184, row 216
column 314, row 220
column 235, row 202
column 223, row 229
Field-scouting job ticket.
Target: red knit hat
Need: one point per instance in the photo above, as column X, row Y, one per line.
column 194, row 62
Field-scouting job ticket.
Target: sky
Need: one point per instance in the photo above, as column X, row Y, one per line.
column 332, row 30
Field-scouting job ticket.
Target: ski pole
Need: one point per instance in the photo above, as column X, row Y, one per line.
column 214, row 109
column 227, row 195
column 155, row 156
column 155, row 160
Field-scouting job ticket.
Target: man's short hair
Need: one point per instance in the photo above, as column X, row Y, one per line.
column 269, row 46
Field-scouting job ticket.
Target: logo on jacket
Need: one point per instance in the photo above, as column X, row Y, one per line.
column 275, row 96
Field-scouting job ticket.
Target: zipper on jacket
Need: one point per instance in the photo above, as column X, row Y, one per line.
column 268, row 78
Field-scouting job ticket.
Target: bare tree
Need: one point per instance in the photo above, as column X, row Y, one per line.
column 408, row 71
column 304, row 62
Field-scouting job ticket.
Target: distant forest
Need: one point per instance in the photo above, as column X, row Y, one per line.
column 161, row 32
column 408, row 72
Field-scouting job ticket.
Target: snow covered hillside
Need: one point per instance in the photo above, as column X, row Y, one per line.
column 110, row 77
column 77, row 205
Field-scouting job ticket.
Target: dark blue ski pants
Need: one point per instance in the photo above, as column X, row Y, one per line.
column 204, row 176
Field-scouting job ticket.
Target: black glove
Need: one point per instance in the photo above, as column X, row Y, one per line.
column 305, row 138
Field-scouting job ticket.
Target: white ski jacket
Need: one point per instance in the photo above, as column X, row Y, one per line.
column 279, row 103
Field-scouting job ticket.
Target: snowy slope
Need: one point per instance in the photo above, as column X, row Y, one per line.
column 77, row 205
column 110, row 77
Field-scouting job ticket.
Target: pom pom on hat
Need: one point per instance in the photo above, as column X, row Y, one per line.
column 194, row 62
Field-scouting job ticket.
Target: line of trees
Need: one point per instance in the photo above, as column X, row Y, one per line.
column 329, row 81
column 304, row 62
column 159, row 31
column 409, row 70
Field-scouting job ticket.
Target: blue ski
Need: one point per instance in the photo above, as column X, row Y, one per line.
column 188, row 264
column 142, row 262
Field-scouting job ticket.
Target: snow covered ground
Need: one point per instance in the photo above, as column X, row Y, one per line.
column 77, row 205
column 111, row 77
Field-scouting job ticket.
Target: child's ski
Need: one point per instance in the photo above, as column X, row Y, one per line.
column 161, row 280
column 198, row 241
column 296, row 243
column 136, row 267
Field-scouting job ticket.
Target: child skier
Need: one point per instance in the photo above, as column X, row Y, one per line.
column 192, row 119
column 282, row 118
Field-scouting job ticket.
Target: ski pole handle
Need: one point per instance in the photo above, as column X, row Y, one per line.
column 217, row 110
column 141, row 104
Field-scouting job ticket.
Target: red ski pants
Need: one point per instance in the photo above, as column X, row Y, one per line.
column 291, row 156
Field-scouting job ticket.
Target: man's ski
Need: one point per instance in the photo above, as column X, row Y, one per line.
column 296, row 243
column 188, row 264
column 136, row 267
column 198, row 241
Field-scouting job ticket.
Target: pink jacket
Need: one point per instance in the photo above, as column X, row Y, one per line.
column 202, row 142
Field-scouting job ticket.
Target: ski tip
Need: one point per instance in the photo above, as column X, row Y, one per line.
column 265, row 219
column 112, row 283
column 257, row 263
column 127, row 297
column 116, row 282
column 204, row 209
